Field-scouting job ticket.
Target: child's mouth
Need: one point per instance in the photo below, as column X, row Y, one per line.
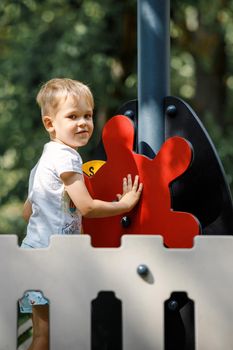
column 82, row 132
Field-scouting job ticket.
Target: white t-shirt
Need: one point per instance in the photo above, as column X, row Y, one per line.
column 53, row 212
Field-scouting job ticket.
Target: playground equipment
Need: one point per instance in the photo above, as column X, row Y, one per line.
column 129, row 291
column 139, row 277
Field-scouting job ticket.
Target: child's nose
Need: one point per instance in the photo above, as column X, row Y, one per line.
column 82, row 121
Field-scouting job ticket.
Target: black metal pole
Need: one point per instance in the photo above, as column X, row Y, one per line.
column 153, row 73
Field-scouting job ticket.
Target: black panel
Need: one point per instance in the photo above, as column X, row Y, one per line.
column 203, row 189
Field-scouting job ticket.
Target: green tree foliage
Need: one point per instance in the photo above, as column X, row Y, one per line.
column 95, row 41
column 202, row 67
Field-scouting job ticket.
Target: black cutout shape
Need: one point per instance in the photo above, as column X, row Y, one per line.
column 179, row 331
column 106, row 322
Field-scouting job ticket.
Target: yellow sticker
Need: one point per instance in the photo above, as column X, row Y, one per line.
column 91, row 167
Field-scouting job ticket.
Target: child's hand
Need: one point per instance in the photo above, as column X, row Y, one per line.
column 131, row 192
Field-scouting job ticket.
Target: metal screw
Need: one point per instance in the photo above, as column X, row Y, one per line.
column 142, row 270
column 129, row 113
column 171, row 110
column 125, row 222
column 173, row 305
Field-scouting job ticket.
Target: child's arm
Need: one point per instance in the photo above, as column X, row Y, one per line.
column 94, row 208
column 27, row 210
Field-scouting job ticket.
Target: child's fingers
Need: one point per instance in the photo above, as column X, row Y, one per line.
column 129, row 186
column 140, row 187
column 125, row 185
column 129, row 180
column 119, row 196
column 135, row 184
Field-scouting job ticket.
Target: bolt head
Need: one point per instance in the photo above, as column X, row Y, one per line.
column 173, row 305
column 171, row 110
column 129, row 113
column 125, row 221
column 142, row 270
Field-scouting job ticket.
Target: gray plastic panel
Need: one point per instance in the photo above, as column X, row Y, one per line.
column 71, row 273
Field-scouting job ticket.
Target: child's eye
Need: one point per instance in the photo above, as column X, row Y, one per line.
column 88, row 116
column 73, row 117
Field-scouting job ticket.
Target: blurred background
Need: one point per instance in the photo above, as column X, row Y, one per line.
column 95, row 41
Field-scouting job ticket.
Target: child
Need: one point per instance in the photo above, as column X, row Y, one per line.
column 58, row 197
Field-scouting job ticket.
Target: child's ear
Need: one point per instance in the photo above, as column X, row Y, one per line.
column 48, row 123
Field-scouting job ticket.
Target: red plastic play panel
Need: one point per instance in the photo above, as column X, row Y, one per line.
column 153, row 215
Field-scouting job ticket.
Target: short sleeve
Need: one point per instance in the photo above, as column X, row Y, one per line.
column 31, row 181
column 67, row 159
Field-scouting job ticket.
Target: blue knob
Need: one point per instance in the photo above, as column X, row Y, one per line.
column 142, row 270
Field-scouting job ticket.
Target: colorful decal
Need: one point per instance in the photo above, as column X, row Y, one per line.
column 91, row 167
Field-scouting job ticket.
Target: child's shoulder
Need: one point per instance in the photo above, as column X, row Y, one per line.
column 54, row 145
column 60, row 152
column 56, row 148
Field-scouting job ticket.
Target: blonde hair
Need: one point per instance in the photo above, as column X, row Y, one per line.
column 51, row 93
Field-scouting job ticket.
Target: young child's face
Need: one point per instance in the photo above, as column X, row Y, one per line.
column 73, row 123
